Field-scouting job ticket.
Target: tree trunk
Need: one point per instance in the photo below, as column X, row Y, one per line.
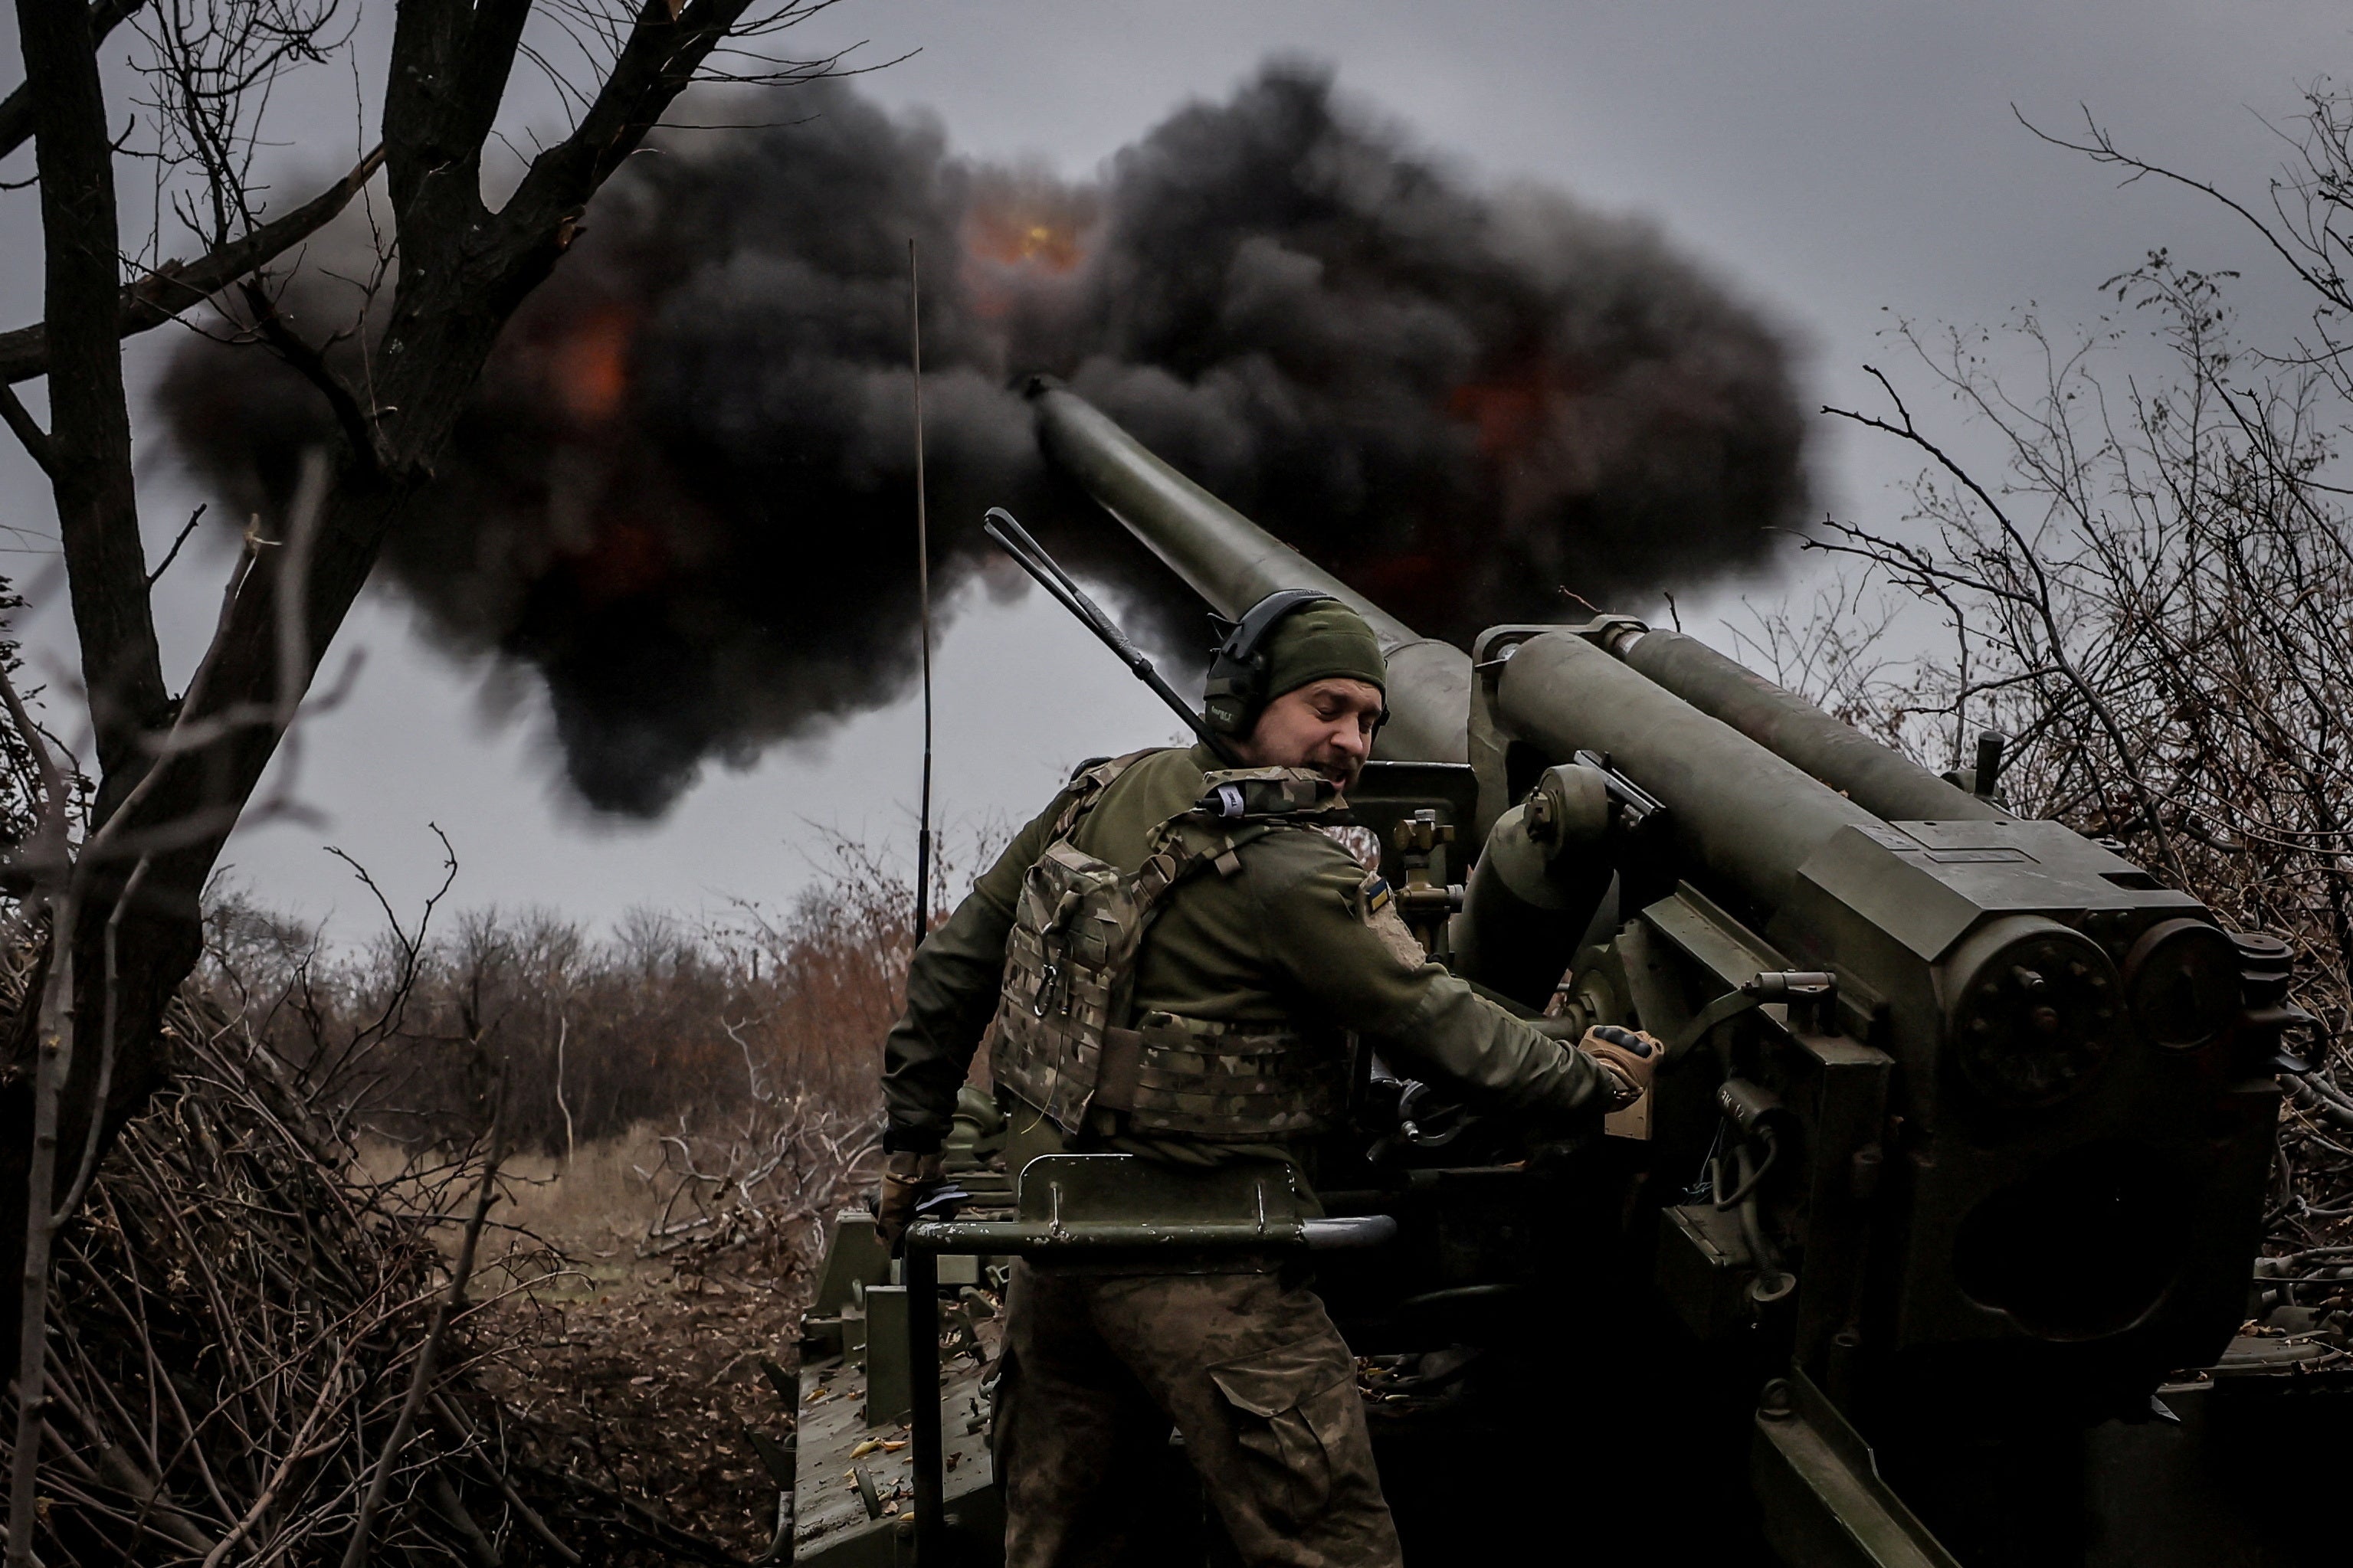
column 464, row 271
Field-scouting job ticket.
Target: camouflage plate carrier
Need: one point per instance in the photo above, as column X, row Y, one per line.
column 1063, row 1039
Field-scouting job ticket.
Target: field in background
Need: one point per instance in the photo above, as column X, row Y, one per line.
column 674, row 1111
column 717, row 1028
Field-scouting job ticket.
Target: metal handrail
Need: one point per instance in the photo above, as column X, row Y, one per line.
column 928, row 1240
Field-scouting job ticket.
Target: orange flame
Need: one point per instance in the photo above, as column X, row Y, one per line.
column 1023, row 234
column 590, row 366
column 1012, row 237
column 1508, row 408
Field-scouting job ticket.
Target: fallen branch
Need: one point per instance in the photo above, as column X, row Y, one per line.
column 524, row 1510
column 420, row 1381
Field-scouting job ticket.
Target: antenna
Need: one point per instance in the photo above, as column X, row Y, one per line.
column 924, row 594
column 1030, row 556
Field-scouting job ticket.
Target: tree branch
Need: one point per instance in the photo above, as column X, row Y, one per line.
column 172, row 554
column 2102, row 149
column 358, row 424
column 449, row 73
column 176, row 286
column 27, row 430
column 665, row 50
column 16, row 109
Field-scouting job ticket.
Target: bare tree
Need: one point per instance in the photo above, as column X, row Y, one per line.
column 173, row 773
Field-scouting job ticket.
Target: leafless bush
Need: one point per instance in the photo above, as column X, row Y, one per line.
column 235, row 1319
column 665, row 1022
column 2155, row 599
column 746, row 1045
column 254, row 1331
column 767, row 1182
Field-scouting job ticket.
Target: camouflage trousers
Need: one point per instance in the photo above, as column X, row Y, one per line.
column 1253, row 1376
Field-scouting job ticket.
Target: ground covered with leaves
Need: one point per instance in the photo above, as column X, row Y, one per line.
column 647, row 1380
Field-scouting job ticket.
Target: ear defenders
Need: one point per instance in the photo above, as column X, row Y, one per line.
column 1237, row 675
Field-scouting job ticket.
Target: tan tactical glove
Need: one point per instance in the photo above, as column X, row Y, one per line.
column 1629, row 1057
column 907, row 1180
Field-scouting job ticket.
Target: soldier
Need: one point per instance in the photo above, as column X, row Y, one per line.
column 1232, row 944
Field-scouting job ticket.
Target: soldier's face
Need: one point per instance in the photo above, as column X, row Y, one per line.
column 1326, row 725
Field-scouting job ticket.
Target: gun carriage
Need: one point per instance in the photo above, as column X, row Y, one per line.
column 1955, row 1172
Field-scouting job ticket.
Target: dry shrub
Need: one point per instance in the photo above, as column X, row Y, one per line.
column 239, row 1310
column 715, row 1027
column 742, row 1052
column 235, row 1318
column 2151, row 597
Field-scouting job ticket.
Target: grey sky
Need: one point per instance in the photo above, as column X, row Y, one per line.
column 1829, row 158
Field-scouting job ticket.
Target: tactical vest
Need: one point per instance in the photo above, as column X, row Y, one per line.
column 1065, row 1043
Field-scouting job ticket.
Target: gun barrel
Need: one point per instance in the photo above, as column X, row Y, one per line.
column 1748, row 814
column 1881, row 780
column 1232, row 562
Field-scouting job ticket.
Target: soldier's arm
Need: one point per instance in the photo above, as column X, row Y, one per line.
column 1364, row 968
column 952, row 989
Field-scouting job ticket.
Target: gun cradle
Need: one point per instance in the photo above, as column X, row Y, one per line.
column 2032, row 1124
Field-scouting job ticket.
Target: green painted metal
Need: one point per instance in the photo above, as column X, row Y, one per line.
column 1817, row 1482
column 853, row 1259
column 1037, row 1240
column 1882, row 782
column 1232, row 562
column 1738, row 808
column 971, row 1517
column 835, row 1322
column 1096, row 1202
column 890, row 1381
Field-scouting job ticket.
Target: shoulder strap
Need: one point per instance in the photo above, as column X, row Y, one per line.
column 1089, row 786
column 1188, row 840
column 1181, row 846
column 1299, row 795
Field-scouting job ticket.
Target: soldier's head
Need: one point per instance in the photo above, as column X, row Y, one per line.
column 1326, row 684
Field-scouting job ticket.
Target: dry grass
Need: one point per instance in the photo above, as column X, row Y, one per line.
column 673, row 1111
column 596, row 1208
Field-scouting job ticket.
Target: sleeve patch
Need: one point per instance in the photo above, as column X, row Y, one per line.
column 1376, row 906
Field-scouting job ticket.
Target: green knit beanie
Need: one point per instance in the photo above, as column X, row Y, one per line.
column 1320, row 642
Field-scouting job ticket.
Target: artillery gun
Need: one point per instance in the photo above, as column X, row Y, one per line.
column 1931, row 1245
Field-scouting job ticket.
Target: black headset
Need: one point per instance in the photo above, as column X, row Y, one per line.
column 1237, row 675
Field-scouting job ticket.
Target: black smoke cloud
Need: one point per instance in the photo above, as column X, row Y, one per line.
column 683, row 493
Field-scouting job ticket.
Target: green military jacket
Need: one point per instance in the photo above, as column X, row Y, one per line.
column 1288, row 940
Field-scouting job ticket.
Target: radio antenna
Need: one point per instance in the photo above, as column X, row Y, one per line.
column 923, row 595
column 1030, row 556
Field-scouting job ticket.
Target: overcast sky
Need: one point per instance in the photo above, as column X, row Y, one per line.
column 1832, row 159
